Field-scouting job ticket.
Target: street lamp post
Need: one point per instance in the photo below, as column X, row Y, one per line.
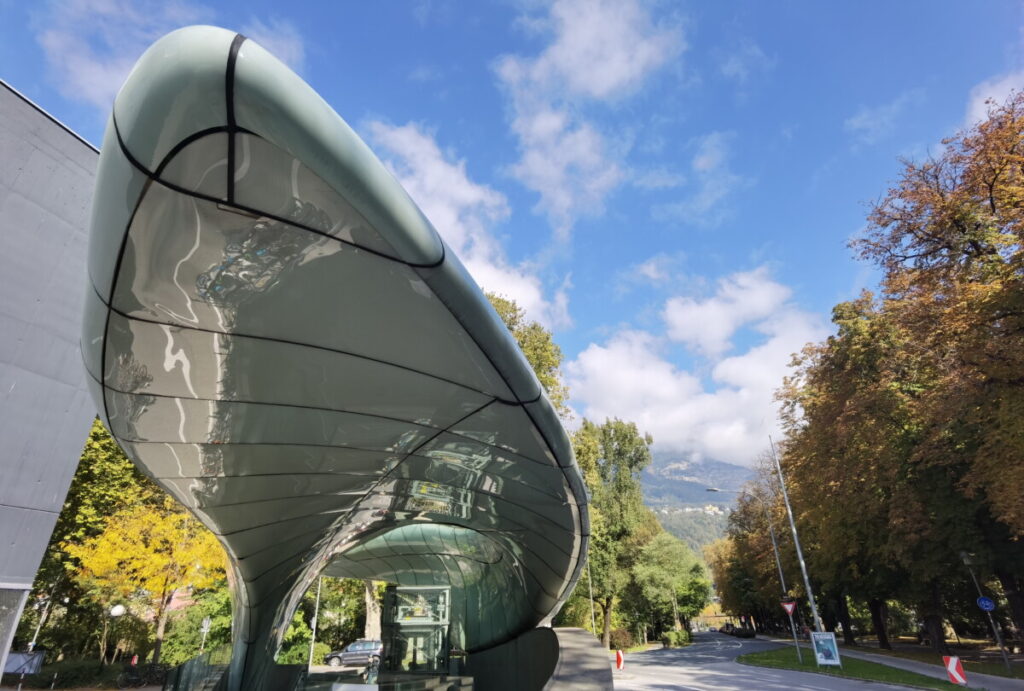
column 778, row 560
column 796, row 541
column 115, row 612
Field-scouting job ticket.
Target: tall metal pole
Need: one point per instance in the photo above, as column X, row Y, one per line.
column 991, row 621
column 316, row 619
column 778, row 561
column 796, row 540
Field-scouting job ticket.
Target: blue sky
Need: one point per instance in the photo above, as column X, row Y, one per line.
column 668, row 186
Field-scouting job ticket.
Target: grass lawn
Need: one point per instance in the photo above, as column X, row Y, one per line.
column 995, row 668
column 785, row 658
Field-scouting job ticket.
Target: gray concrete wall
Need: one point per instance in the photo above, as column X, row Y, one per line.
column 46, row 182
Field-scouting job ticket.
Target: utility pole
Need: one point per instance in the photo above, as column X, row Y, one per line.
column 778, row 560
column 316, row 619
column 796, row 540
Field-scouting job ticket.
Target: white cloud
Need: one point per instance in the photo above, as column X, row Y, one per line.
column 745, row 61
column 707, row 326
column 465, row 213
column 715, row 182
column 91, row 45
column 658, row 179
column 729, row 417
column 997, row 89
column 600, row 52
column 281, row 38
column 871, row 125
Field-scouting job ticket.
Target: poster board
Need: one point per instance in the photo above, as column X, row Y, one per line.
column 826, row 651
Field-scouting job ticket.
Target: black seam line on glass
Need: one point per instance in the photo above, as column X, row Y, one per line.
column 428, row 459
column 396, row 452
column 259, row 212
column 296, row 406
column 405, row 454
column 285, row 341
column 192, row 138
column 113, row 283
column 483, row 350
column 178, row 442
column 229, row 101
column 324, row 535
column 515, row 525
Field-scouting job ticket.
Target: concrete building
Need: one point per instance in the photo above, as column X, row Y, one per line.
column 47, row 177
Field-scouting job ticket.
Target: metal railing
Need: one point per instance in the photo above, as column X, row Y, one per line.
column 207, row 672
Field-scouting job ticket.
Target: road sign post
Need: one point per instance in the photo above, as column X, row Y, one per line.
column 987, row 605
column 790, row 607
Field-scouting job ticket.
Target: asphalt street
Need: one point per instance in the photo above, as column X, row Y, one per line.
column 710, row 663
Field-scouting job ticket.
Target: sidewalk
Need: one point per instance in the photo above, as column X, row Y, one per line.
column 974, row 679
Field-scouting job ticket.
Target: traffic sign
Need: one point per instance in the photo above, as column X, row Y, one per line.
column 987, row 604
column 790, row 607
column 955, row 670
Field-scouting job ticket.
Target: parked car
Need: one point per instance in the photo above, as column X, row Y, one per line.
column 712, row 629
column 356, row 654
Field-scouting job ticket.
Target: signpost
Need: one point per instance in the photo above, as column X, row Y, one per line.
column 826, row 651
column 205, row 628
column 955, row 670
column 987, row 605
column 790, row 607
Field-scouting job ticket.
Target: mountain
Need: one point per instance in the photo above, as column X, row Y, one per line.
column 677, row 491
column 673, row 482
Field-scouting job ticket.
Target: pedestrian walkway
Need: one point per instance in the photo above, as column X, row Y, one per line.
column 975, row 680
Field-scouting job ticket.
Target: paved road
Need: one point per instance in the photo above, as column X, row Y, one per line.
column 710, row 663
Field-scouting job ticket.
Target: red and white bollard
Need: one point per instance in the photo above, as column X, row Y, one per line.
column 620, row 660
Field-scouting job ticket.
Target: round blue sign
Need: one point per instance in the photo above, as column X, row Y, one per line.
column 986, row 604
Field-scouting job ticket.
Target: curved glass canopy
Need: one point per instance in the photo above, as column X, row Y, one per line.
column 279, row 337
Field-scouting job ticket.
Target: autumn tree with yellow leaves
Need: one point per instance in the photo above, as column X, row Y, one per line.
column 147, row 555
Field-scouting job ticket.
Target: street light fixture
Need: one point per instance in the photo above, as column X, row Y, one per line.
column 775, row 549
column 115, row 612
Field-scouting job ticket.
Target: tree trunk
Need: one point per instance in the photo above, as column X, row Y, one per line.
column 675, row 615
column 103, row 640
column 879, row 614
column 606, row 637
column 372, row 630
column 933, row 621
column 161, row 625
column 843, row 611
column 1012, row 589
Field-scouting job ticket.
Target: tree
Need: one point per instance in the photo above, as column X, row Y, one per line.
column 540, row 349
column 612, row 456
column 669, row 576
column 104, row 482
column 185, row 637
column 149, row 553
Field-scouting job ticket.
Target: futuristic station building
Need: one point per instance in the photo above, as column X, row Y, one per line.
column 277, row 335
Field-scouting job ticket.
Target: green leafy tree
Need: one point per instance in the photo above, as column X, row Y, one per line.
column 612, row 456
column 185, row 637
column 670, row 577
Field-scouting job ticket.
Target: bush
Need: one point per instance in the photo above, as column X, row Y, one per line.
column 675, row 639
column 621, row 639
column 71, row 674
